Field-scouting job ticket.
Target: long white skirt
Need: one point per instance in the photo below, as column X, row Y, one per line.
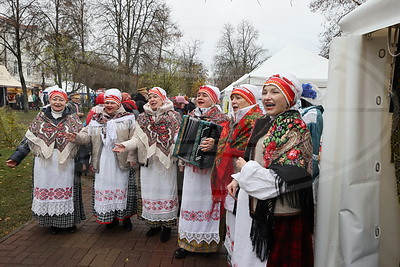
column 199, row 218
column 243, row 254
column 159, row 191
column 111, row 184
column 230, row 225
column 53, row 186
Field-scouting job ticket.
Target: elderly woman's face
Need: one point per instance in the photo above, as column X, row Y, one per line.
column 110, row 107
column 238, row 102
column 273, row 100
column 57, row 103
column 203, row 100
column 155, row 102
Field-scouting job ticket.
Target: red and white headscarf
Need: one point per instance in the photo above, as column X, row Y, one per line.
column 113, row 95
column 212, row 92
column 57, row 91
column 288, row 85
column 249, row 92
column 158, row 91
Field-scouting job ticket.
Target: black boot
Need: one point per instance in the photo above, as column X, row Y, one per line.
column 55, row 230
column 112, row 224
column 165, row 234
column 153, row 231
column 180, row 253
column 127, row 224
column 71, row 229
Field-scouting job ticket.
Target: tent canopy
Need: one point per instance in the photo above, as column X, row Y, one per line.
column 306, row 66
column 358, row 212
column 371, row 16
column 6, row 80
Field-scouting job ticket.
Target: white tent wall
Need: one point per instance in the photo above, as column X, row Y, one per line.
column 358, row 214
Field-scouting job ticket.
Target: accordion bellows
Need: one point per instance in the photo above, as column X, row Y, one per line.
column 191, row 133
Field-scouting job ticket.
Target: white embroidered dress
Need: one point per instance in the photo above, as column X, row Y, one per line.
column 158, row 177
column 199, row 217
column 111, row 182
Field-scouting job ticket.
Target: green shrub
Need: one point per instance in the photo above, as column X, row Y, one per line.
column 11, row 132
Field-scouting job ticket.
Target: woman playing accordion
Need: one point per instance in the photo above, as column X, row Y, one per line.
column 199, row 223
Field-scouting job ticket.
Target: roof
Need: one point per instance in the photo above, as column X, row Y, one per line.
column 371, row 16
column 6, row 80
column 305, row 65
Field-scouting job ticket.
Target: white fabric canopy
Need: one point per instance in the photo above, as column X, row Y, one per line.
column 358, row 213
column 306, row 66
column 6, row 80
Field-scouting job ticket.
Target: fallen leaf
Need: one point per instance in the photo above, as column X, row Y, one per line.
column 127, row 259
column 6, row 219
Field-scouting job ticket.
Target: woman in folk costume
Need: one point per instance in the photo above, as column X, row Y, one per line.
column 57, row 195
column 114, row 181
column 199, row 223
column 274, row 204
column 232, row 144
column 154, row 137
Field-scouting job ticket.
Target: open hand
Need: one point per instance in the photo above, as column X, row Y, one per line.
column 71, row 137
column 11, row 163
column 207, row 144
column 119, row 148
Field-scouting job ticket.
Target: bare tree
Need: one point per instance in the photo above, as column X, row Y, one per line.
column 136, row 32
column 237, row 53
column 79, row 19
column 192, row 69
column 334, row 11
column 162, row 34
column 18, row 24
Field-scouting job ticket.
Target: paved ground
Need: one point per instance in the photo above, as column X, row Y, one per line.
column 93, row 245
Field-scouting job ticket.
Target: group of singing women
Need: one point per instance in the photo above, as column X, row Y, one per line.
column 257, row 197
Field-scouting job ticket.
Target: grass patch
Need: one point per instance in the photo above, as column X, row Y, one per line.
column 15, row 192
column 15, row 184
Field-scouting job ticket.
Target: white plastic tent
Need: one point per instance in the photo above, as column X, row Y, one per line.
column 6, row 80
column 358, row 213
column 306, row 66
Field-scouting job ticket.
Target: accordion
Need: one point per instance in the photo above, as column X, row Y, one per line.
column 191, row 133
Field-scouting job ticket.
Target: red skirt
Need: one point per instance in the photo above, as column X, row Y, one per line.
column 293, row 242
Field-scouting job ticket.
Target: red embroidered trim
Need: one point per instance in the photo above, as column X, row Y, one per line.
column 161, row 205
column 52, row 193
column 201, row 216
column 107, row 195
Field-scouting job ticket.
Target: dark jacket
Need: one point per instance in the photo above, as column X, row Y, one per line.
column 140, row 102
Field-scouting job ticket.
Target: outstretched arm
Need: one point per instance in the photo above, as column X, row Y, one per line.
column 20, row 153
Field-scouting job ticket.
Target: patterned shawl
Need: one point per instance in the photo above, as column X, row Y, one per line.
column 160, row 127
column 232, row 143
column 287, row 151
column 47, row 135
column 213, row 114
column 102, row 117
